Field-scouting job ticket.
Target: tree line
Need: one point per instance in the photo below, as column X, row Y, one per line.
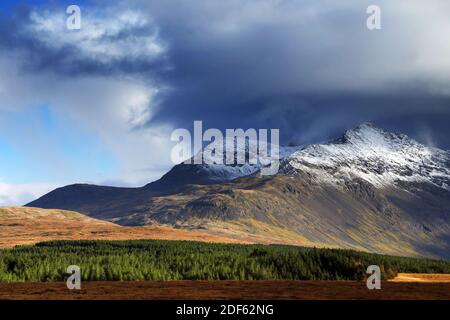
column 186, row 260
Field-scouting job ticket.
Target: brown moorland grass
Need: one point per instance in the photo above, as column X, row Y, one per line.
column 224, row 290
column 26, row 226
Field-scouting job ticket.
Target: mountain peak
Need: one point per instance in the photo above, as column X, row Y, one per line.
column 380, row 157
column 364, row 129
column 367, row 125
column 368, row 133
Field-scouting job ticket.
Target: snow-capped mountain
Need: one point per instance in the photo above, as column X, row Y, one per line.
column 224, row 172
column 379, row 157
column 374, row 155
column 369, row 190
column 215, row 170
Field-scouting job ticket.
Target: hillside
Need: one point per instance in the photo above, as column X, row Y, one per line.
column 368, row 190
column 23, row 226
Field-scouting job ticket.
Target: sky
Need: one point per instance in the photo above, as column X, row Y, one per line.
column 98, row 105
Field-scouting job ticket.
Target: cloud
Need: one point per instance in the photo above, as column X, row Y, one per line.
column 20, row 194
column 105, row 40
column 113, row 110
column 98, row 78
column 238, row 63
column 298, row 65
column 110, row 42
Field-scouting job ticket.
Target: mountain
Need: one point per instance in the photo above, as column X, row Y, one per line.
column 378, row 157
column 183, row 174
column 369, row 190
column 25, row 226
column 113, row 202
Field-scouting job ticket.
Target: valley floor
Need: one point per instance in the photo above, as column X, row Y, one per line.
column 208, row 290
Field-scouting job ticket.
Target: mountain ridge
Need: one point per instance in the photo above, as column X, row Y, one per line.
column 377, row 156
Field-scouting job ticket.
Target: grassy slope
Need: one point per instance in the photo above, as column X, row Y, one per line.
column 23, row 225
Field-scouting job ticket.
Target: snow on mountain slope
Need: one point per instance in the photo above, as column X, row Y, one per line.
column 374, row 155
column 366, row 152
column 227, row 172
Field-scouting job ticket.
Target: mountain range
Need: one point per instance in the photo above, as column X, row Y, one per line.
column 369, row 190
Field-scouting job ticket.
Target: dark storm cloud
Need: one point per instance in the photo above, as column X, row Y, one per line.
column 310, row 68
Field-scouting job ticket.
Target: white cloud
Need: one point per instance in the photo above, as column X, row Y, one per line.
column 105, row 38
column 20, row 194
column 112, row 108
